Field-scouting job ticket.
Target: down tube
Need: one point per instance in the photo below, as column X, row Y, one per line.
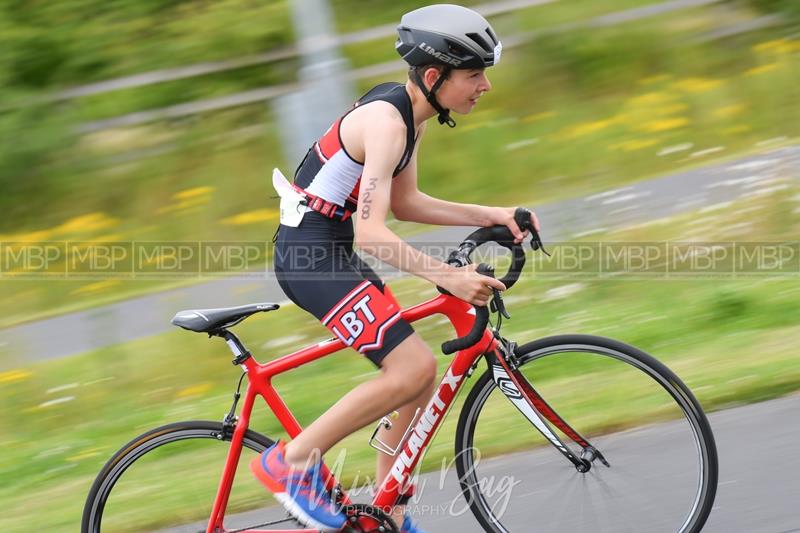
column 426, row 426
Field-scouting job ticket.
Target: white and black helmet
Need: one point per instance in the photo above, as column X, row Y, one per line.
column 452, row 36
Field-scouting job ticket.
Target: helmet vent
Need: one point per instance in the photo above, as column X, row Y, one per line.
column 455, row 50
column 480, row 41
column 492, row 35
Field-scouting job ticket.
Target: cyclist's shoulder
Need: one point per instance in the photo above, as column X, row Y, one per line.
column 377, row 117
column 387, row 103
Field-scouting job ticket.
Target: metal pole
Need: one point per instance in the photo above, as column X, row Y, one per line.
column 325, row 89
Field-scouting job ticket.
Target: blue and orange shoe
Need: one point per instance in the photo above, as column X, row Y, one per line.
column 300, row 492
column 408, row 526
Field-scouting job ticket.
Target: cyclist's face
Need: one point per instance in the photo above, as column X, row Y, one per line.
column 462, row 90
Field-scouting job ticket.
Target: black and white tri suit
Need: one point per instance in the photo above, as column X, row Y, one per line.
column 315, row 263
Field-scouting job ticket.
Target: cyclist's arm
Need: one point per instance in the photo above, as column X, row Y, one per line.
column 384, row 142
column 411, row 204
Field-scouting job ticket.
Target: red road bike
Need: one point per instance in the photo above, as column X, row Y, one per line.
column 617, row 474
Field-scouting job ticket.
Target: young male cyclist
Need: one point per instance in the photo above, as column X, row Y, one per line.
column 364, row 166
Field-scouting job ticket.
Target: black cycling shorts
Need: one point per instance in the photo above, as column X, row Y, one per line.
column 318, row 270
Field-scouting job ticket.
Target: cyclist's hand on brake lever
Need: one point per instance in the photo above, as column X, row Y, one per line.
column 505, row 216
column 468, row 285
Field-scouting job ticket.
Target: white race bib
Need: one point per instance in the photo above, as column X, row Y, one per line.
column 292, row 211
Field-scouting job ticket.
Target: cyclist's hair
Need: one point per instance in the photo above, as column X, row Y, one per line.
column 443, row 71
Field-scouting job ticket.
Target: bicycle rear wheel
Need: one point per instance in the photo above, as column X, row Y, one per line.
column 168, row 477
column 647, row 424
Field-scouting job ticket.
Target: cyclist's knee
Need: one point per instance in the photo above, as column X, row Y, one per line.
column 410, row 369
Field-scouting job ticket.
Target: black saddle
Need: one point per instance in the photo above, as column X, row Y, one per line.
column 210, row 320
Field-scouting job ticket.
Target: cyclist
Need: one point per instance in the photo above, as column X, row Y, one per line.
column 364, row 166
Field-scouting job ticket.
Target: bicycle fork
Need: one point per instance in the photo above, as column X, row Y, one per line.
column 520, row 392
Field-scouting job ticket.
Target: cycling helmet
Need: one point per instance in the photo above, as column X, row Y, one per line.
column 448, row 35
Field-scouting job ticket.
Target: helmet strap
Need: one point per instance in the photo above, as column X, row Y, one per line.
column 430, row 96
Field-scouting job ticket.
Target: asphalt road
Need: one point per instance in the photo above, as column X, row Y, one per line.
column 758, row 490
column 700, row 188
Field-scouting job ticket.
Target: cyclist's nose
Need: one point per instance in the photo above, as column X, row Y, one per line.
column 486, row 84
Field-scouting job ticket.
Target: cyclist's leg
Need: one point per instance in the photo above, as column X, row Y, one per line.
column 392, row 438
column 405, row 412
column 407, row 372
column 335, row 285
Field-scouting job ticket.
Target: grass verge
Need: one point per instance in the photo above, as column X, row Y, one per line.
column 731, row 341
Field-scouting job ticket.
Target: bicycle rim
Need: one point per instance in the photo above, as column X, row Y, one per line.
column 167, row 478
column 636, row 412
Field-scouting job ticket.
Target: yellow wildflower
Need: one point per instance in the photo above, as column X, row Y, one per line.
column 251, row 217
column 755, row 71
column 194, row 390
column 729, row 110
column 34, row 236
column 738, row 128
column 650, row 99
column 779, row 46
column 539, row 116
column 184, row 205
column 87, row 223
column 671, row 109
column 663, row 124
column 697, row 85
column 193, row 192
column 96, row 287
column 587, row 128
column 634, row 144
column 13, row 376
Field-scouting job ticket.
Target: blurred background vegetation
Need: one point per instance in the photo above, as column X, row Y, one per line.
column 578, row 108
column 581, row 106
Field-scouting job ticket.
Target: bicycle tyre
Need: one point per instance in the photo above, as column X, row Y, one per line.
column 144, row 444
column 466, row 464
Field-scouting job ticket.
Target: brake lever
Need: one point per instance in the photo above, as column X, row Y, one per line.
column 522, row 217
column 536, row 243
column 497, row 305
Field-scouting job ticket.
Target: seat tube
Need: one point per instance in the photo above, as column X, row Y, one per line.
column 413, row 448
column 215, row 524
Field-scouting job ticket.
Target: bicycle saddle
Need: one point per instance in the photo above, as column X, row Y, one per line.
column 209, row 320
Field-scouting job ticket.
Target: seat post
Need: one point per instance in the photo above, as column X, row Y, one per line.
column 240, row 353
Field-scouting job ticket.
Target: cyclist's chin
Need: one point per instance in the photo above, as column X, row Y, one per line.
column 464, row 109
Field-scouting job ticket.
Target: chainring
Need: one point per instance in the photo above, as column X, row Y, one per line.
column 357, row 511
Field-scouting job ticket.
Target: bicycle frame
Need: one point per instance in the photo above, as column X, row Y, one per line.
column 460, row 314
column 462, row 317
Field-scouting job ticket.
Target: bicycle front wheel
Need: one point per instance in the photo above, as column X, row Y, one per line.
column 168, row 477
column 662, row 473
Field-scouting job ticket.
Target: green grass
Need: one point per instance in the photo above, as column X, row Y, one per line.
column 731, row 341
column 586, row 129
